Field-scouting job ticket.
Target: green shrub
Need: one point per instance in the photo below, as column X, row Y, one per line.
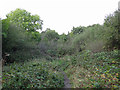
column 16, row 43
column 96, row 46
column 112, row 24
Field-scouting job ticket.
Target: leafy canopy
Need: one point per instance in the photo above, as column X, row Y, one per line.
column 25, row 20
column 51, row 35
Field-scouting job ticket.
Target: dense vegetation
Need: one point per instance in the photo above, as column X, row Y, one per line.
column 88, row 55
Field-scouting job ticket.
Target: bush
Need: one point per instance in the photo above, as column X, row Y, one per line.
column 112, row 24
column 96, row 46
column 15, row 41
column 15, row 38
column 93, row 38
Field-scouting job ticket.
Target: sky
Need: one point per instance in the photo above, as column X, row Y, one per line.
column 62, row 15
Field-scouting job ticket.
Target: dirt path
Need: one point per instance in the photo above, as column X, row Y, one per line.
column 66, row 81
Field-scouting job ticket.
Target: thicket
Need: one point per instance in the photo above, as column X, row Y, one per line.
column 22, row 42
column 93, row 49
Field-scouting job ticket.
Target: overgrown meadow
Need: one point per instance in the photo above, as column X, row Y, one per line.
column 89, row 56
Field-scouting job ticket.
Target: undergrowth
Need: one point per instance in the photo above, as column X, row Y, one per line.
column 84, row 69
column 94, row 70
column 34, row 74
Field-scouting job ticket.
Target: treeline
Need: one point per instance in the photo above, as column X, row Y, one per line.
column 22, row 41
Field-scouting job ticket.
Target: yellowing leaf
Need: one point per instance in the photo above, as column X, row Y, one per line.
column 113, row 61
column 116, row 74
column 103, row 76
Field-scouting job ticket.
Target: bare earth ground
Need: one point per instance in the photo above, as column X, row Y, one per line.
column 66, row 81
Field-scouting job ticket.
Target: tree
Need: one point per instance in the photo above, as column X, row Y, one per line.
column 77, row 30
column 63, row 37
column 113, row 23
column 51, row 35
column 25, row 20
column 36, row 36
